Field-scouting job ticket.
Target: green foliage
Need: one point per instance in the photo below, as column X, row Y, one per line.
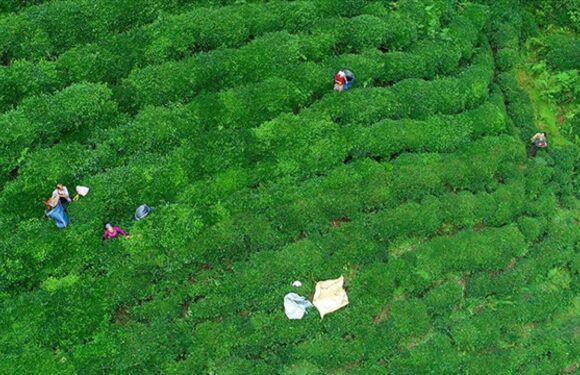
column 562, row 13
column 561, row 87
column 367, row 31
column 531, row 228
column 72, row 114
column 518, row 105
column 562, row 52
column 50, row 28
column 507, row 58
column 458, row 252
column 23, row 78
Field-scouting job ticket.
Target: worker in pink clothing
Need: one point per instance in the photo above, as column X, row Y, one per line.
column 113, row 232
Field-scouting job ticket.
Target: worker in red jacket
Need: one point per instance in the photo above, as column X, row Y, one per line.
column 343, row 80
column 339, row 80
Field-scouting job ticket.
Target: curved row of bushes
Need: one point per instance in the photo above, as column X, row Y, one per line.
column 47, row 30
column 221, row 107
column 169, row 37
column 176, row 36
column 210, row 301
column 286, row 146
column 327, row 254
column 117, row 192
column 244, row 107
column 202, row 163
column 72, row 114
column 437, row 304
column 313, row 82
column 443, row 133
column 415, row 98
column 313, row 204
column 181, row 80
column 330, row 250
column 506, row 32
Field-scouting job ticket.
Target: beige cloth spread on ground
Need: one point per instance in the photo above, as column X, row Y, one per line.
column 330, row 296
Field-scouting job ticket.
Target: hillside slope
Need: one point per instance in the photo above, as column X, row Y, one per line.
column 460, row 253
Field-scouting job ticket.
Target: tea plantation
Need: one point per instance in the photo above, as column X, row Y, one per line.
column 460, row 253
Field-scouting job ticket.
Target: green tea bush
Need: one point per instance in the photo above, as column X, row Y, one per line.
column 367, row 31
column 204, row 29
column 518, row 105
column 457, row 250
column 531, row 228
column 429, row 57
column 562, row 52
column 478, row 14
column 23, row 78
column 77, row 111
column 202, row 71
column 10, row 6
column 566, row 163
column 168, row 38
column 110, row 60
column 312, row 47
column 435, row 134
column 455, row 211
column 426, row 14
column 210, row 108
column 155, row 129
column 49, row 29
column 434, row 354
column 20, row 262
column 410, row 318
column 371, row 105
column 36, row 176
column 560, row 13
column 481, row 332
column 324, row 212
column 344, row 8
column 465, row 30
column 402, row 31
column 489, row 249
column 444, row 298
column 506, row 36
column 227, row 67
column 506, row 58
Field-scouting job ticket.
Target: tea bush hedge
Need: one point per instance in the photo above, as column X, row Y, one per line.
column 458, row 251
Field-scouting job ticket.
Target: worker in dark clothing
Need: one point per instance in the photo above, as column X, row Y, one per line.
column 539, row 140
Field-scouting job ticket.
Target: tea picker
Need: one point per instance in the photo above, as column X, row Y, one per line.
column 539, row 140
column 343, row 80
column 59, row 195
column 113, row 232
column 56, row 205
column 59, row 215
